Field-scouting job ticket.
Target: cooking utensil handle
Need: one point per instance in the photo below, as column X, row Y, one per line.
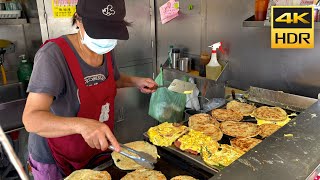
column 233, row 94
column 129, row 149
column 111, row 148
column 124, row 147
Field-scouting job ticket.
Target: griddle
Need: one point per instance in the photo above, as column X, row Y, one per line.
column 174, row 162
column 258, row 101
column 195, row 160
column 169, row 165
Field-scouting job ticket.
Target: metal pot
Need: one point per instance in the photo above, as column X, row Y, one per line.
column 185, row 64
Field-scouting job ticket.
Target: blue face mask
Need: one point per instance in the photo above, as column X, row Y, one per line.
column 99, row 46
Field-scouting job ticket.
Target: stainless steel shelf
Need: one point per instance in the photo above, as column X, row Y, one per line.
column 13, row 21
column 250, row 22
column 184, row 73
column 222, row 77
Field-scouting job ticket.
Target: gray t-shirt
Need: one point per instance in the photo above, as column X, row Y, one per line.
column 51, row 75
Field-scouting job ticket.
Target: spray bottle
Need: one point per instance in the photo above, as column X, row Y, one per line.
column 213, row 69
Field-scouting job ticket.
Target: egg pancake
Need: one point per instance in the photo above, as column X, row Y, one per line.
column 201, row 119
column 239, row 129
column 227, row 115
column 144, row 174
column 270, row 113
column 210, row 130
column 165, row 134
column 125, row 163
column 244, row 108
column 268, row 129
column 87, row 174
column 224, row 156
column 245, row 144
column 183, row 178
column 193, row 142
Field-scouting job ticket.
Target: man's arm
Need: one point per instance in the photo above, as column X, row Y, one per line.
column 146, row 85
column 38, row 119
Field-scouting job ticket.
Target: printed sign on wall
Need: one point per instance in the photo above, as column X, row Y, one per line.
column 169, row 11
column 63, row 8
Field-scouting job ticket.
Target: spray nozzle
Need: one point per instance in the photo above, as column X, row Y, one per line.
column 216, row 46
column 23, row 56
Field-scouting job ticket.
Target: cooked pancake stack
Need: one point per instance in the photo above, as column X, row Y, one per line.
column 245, row 144
column 267, row 129
column 239, row 129
column 89, row 174
column 227, row 115
column 144, row 174
column 243, row 108
column 125, row 163
column 271, row 115
column 206, row 124
column 183, row 178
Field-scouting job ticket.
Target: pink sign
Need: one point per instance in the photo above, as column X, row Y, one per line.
column 169, row 11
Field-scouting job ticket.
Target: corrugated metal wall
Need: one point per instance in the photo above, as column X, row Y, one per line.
column 252, row 60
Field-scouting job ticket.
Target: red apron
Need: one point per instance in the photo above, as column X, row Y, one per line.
column 72, row 152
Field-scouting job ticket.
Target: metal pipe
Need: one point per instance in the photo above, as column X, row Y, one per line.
column 3, row 73
column 12, row 155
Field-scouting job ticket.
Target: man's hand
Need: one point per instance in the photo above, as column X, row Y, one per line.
column 146, row 85
column 97, row 134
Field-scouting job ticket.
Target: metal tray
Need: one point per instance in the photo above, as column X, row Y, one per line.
column 193, row 159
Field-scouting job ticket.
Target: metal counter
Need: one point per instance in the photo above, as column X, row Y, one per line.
column 281, row 157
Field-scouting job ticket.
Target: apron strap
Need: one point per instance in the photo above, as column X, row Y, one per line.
column 110, row 66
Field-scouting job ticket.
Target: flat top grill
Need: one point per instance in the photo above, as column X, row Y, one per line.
column 258, row 100
column 169, row 165
column 174, row 162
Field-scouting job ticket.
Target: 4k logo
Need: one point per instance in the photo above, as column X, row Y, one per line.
column 292, row 27
column 286, row 18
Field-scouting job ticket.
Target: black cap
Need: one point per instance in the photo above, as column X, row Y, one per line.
column 103, row 19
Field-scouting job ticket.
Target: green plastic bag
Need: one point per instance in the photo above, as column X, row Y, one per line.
column 165, row 105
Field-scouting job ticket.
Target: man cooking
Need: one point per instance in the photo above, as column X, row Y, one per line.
column 70, row 108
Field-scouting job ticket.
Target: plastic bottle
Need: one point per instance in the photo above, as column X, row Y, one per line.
column 213, row 69
column 204, row 60
column 24, row 70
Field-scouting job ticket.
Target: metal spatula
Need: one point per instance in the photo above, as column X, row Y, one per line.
column 180, row 86
column 143, row 159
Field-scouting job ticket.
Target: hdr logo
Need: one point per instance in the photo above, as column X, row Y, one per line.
column 292, row 27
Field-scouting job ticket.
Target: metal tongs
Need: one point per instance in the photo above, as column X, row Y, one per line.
column 143, row 159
